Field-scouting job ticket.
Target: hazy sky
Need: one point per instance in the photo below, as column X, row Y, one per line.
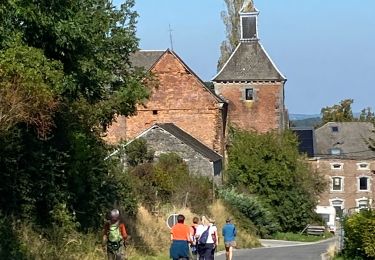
column 325, row 48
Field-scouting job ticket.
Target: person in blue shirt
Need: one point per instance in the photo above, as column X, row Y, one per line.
column 229, row 234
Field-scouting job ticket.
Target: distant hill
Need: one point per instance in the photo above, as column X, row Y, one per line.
column 294, row 117
column 304, row 120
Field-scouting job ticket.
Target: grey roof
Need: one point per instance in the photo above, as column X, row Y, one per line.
column 351, row 138
column 191, row 141
column 249, row 62
column 145, row 59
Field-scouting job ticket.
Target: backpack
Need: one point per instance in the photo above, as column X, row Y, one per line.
column 114, row 234
column 114, row 237
column 203, row 238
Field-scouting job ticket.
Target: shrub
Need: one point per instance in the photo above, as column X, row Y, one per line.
column 251, row 207
column 360, row 235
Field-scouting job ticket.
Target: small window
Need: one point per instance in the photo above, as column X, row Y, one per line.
column 363, row 183
column 335, row 151
column 336, row 166
column 363, row 203
column 335, row 129
column 363, row 166
column 337, row 184
column 154, row 112
column 249, row 94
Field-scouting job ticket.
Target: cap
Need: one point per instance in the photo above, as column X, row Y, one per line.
column 115, row 214
column 229, row 219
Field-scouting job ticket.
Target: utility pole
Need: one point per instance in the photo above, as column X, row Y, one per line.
column 170, row 36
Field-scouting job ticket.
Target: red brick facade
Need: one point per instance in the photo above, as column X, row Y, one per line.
column 180, row 98
column 264, row 113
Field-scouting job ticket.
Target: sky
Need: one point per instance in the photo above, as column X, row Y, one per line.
column 325, row 48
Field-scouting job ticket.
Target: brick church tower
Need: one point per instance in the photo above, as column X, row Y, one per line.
column 250, row 82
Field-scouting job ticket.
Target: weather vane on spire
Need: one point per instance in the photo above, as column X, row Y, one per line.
column 170, row 36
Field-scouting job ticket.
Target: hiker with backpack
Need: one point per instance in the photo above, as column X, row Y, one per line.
column 114, row 236
column 207, row 239
column 194, row 239
column 180, row 237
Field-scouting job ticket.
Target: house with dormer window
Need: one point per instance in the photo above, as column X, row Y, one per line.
column 342, row 153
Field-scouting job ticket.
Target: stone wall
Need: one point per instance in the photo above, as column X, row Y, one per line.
column 162, row 141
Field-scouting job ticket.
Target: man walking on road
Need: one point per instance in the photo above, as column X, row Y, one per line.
column 229, row 234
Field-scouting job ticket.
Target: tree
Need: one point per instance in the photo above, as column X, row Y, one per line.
column 366, row 115
column 231, row 21
column 338, row 113
column 270, row 167
column 65, row 71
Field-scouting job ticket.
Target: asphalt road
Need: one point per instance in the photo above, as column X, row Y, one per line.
column 281, row 251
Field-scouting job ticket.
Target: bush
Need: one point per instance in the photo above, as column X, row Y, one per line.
column 360, row 235
column 252, row 208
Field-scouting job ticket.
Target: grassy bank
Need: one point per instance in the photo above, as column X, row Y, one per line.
column 149, row 237
column 300, row 237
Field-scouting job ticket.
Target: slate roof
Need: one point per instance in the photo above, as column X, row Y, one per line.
column 249, row 62
column 145, row 59
column 351, row 138
column 191, row 141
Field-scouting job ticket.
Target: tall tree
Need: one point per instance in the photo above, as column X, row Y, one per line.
column 231, row 19
column 65, row 72
column 270, row 167
column 338, row 113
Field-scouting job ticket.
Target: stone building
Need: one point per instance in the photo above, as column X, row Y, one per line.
column 248, row 93
column 250, row 82
column 343, row 155
column 168, row 138
column 180, row 97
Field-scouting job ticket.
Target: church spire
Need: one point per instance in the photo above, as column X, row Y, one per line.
column 249, row 17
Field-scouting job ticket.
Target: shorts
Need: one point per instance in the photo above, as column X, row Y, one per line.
column 230, row 244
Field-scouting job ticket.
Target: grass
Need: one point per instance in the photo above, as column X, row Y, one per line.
column 300, row 237
column 149, row 240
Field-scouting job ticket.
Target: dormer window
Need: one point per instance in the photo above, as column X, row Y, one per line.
column 335, row 129
column 335, row 151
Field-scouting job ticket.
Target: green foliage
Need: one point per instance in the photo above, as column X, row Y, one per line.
column 64, row 74
column 367, row 115
column 300, row 237
column 168, row 181
column 10, row 247
column 270, row 167
column 338, row 113
column 252, row 207
column 137, row 152
column 231, row 19
column 360, row 235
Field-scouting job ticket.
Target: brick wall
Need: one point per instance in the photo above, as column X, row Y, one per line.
column 266, row 112
column 181, row 99
column 350, row 172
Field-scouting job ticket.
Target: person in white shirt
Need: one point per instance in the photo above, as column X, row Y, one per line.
column 207, row 239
